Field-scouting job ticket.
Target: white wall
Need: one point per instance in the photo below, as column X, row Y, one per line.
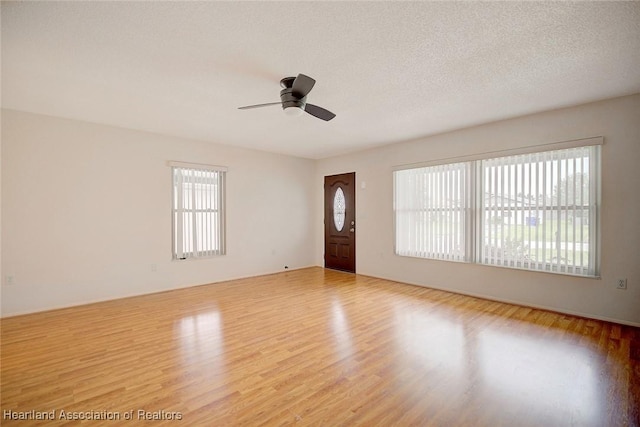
column 618, row 120
column 86, row 212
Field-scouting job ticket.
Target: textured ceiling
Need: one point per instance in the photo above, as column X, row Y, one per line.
column 391, row 71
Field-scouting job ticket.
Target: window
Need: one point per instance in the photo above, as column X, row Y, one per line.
column 539, row 211
column 431, row 207
column 534, row 210
column 198, row 210
column 339, row 209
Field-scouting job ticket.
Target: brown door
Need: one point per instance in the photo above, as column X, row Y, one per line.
column 340, row 222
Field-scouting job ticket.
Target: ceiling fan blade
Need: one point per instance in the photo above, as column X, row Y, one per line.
column 302, row 85
column 319, row 112
column 248, row 107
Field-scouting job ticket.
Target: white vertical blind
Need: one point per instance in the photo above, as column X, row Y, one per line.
column 530, row 210
column 536, row 214
column 198, row 211
column 430, row 206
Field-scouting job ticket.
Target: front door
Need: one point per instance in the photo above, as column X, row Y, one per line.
column 340, row 222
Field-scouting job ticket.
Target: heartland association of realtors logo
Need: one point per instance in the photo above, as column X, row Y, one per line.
column 61, row 414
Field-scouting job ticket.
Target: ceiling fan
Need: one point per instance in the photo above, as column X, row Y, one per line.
column 293, row 98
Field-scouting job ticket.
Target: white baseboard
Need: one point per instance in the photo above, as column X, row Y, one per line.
column 521, row 303
column 97, row 301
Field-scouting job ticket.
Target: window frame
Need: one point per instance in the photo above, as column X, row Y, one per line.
column 474, row 237
column 208, row 211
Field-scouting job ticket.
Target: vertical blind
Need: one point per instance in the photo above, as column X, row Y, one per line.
column 198, row 211
column 533, row 210
column 430, row 207
column 538, row 210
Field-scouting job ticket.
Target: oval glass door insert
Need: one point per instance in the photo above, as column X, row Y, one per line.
column 339, row 209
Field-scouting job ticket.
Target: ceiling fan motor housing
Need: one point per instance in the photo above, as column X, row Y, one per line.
column 287, row 97
column 290, row 100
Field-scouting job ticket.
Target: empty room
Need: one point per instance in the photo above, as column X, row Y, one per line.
column 320, row 213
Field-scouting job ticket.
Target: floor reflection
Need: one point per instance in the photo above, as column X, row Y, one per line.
column 341, row 330
column 202, row 341
column 496, row 368
column 430, row 340
column 548, row 378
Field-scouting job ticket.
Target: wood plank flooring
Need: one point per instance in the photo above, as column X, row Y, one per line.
column 320, row 348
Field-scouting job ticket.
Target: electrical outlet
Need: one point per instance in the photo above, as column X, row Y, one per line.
column 154, row 267
column 10, row 280
column 621, row 284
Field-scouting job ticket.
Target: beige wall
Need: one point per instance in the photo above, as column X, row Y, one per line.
column 617, row 120
column 86, row 212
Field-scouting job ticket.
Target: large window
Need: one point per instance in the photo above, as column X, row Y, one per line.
column 198, row 210
column 535, row 210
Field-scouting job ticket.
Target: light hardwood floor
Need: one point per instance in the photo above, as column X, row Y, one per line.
column 319, row 347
